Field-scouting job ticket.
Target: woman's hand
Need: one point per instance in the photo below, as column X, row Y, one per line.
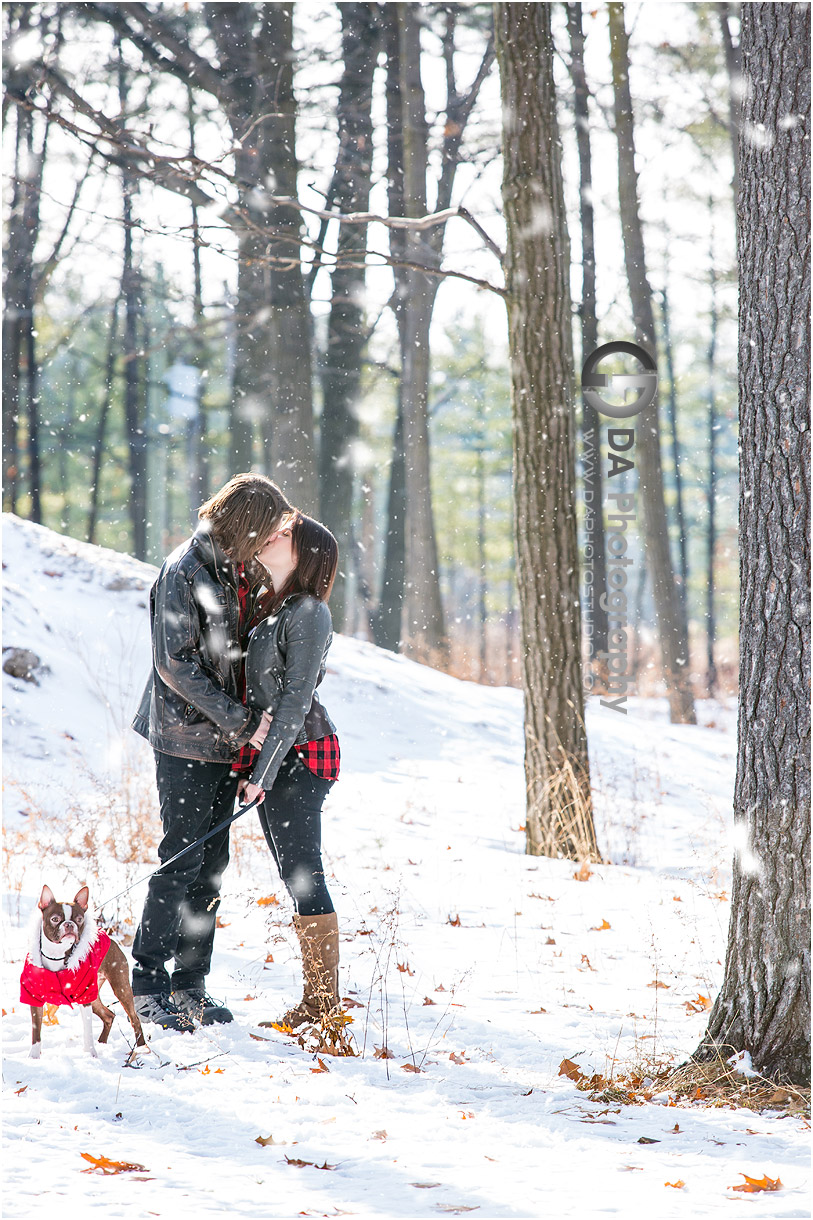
column 247, row 792
column 261, row 731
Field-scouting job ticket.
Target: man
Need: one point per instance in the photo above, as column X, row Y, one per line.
column 193, row 716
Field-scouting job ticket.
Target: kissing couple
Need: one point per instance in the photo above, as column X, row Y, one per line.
column 240, row 635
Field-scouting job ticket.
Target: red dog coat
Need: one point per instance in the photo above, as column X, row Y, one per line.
column 73, row 985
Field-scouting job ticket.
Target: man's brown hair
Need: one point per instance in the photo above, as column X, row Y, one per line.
column 317, row 560
column 242, row 515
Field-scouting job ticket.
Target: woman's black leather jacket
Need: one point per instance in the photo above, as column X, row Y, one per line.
column 285, row 662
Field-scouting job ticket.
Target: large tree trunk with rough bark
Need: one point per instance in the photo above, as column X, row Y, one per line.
column 346, row 339
column 764, row 1004
column 671, row 622
column 559, row 813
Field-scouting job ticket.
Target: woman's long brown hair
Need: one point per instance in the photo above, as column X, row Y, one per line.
column 317, row 561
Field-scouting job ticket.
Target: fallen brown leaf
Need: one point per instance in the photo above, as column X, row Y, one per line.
column 536, row 1011
column 584, row 873
column 550, row 941
column 383, row 1052
column 570, row 1069
column 17, row 1092
column 297, row 1164
column 602, row 927
column 321, row 1068
column 454, row 922
column 658, row 983
column 405, row 968
column 265, row 1141
column 270, row 900
column 461, row 1058
column 752, row 1185
column 102, row 1164
column 427, row 1000
column 425, row 1185
column 410, row 1067
column 677, row 1185
column 379, row 1135
column 701, row 1004
column 645, row 1139
column 220, row 924
column 259, row 1038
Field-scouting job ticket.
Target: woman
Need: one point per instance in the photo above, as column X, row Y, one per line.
column 299, row 760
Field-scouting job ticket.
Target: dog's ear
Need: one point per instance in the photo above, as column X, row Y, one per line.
column 46, row 898
column 82, row 898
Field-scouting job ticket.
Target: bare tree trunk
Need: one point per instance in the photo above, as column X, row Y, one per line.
column 559, row 813
column 199, row 489
column 272, row 375
column 711, row 522
column 341, row 375
column 422, row 627
column 20, row 366
column 672, row 631
column 591, row 425
column 733, row 63
column 683, row 552
column 764, row 1003
column 387, row 618
column 101, row 427
column 134, row 383
column 290, row 446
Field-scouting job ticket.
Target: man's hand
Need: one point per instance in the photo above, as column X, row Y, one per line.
column 262, row 730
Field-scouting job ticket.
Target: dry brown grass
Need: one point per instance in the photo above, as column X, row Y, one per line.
column 712, row 1084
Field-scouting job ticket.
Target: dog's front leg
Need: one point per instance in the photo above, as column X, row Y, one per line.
column 36, row 1032
column 87, row 1029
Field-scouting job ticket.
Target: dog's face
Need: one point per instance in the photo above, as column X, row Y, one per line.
column 62, row 922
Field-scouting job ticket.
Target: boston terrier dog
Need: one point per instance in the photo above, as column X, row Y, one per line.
column 69, row 958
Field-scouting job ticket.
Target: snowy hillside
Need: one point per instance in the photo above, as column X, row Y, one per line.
column 480, row 966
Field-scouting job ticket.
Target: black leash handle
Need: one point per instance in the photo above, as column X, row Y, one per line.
column 240, row 811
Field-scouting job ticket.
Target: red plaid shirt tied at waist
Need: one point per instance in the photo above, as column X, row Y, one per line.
column 322, row 757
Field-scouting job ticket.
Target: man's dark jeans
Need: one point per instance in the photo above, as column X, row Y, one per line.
column 180, row 909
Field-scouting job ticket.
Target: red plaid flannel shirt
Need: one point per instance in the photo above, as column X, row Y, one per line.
column 322, row 757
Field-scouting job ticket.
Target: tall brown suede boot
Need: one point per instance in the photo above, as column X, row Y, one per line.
column 319, row 943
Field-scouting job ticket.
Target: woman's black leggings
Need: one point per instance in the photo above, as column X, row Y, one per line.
column 291, row 818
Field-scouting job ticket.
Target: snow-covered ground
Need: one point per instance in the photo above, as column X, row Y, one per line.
column 481, row 966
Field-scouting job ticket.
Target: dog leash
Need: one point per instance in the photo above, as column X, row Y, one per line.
column 241, row 810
